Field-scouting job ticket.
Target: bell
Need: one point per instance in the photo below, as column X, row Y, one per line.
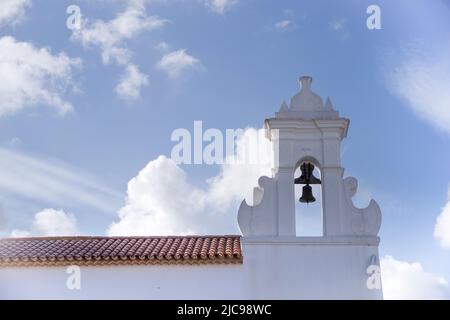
column 307, row 176
column 307, row 195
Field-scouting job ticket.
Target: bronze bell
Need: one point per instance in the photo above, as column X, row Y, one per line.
column 307, row 195
column 307, row 178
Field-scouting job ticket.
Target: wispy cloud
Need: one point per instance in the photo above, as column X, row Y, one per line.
column 339, row 25
column 131, row 83
column 220, row 6
column 177, row 62
column 12, row 11
column 421, row 78
column 111, row 36
column 53, row 182
column 162, row 46
column 289, row 21
column 284, row 25
column 33, row 76
column 288, row 12
column 14, row 142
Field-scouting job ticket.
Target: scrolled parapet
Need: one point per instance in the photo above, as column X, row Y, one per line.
column 260, row 219
column 363, row 221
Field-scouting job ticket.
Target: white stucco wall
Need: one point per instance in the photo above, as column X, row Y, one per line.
column 293, row 268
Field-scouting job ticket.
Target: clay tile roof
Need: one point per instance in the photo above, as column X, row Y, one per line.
column 51, row 251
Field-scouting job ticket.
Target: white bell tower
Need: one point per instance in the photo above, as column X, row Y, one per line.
column 309, row 131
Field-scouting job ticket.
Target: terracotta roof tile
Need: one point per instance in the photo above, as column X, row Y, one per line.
column 49, row 251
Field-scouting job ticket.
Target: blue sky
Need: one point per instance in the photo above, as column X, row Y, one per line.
column 73, row 141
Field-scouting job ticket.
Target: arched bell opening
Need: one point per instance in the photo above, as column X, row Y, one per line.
column 308, row 198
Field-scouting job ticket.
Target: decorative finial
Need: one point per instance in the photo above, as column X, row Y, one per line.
column 306, row 104
column 305, row 82
column 306, row 100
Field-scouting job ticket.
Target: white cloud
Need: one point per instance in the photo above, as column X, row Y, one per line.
column 408, row 281
column 236, row 181
column 422, row 79
column 131, row 83
column 111, row 36
column 288, row 12
column 160, row 200
column 283, row 25
column 32, row 76
column 50, row 222
column 14, row 142
column 18, row 233
column 220, row 6
column 162, row 46
column 177, row 62
column 12, row 11
column 338, row 24
column 52, row 182
column 442, row 227
column 3, row 221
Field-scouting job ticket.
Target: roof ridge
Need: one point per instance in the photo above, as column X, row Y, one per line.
column 119, row 237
